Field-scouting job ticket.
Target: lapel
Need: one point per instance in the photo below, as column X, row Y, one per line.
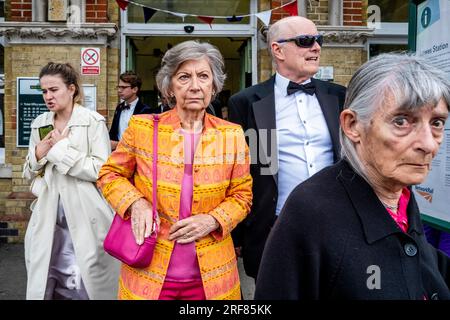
column 79, row 117
column 376, row 221
column 115, row 123
column 264, row 113
column 43, row 121
column 139, row 107
column 330, row 109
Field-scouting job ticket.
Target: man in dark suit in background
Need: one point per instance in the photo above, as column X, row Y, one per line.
column 128, row 89
column 291, row 122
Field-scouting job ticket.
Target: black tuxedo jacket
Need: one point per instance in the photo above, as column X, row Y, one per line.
column 254, row 108
column 140, row 108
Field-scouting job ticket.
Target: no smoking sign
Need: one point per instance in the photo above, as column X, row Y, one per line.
column 90, row 61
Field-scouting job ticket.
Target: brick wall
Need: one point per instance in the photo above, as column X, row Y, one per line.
column 279, row 13
column 113, row 12
column 26, row 61
column 97, row 11
column 344, row 60
column 318, row 12
column 5, row 187
column 353, row 13
column 18, row 10
column 21, row 10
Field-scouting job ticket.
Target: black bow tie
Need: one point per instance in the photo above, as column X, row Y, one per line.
column 308, row 88
column 124, row 106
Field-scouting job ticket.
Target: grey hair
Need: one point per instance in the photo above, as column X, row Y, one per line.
column 185, row 51
column 408, row 79
column 274, row 33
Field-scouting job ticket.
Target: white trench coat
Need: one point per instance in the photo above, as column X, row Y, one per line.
column 71, row 169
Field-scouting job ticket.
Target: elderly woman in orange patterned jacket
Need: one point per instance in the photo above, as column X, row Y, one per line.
column 203, row 188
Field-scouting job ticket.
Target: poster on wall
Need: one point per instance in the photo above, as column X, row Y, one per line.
column 90, row 96
column 30, row 104
column 432, row 43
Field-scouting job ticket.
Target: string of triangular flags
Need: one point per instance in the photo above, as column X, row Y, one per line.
column 264, row 16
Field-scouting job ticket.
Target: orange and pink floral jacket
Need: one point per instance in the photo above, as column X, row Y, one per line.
column 222, row 188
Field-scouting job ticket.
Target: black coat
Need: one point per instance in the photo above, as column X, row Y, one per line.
column 140, row 108
column 332, row 234
column 254, row 108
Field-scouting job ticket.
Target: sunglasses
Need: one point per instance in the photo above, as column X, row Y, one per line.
column 122, row 87
column 305, row 41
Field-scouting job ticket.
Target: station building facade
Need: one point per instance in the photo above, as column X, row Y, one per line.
column 34, row 32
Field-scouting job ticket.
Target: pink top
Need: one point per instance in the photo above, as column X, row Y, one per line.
column 401, row 216
column 183, row 266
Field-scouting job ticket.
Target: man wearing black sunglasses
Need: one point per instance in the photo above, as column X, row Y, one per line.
column 296, row 120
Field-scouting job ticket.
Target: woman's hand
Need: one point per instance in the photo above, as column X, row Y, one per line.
column 193, row 228
column 52, row 138
column 56, row 136
column 142, row 219
column 43, row 147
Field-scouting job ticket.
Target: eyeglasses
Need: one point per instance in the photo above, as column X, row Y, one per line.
column 122, row 87
column 305, row 41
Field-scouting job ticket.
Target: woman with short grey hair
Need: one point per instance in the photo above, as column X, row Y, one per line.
column 408, row 79
column 190, row 50
column 353, row 230
column 204, row 187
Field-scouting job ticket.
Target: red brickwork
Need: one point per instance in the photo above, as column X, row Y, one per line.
column 353, row 13
column 20, row 10
column 280, row 13
column 97, row 11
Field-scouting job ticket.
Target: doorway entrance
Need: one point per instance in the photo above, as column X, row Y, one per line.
column 144, row 54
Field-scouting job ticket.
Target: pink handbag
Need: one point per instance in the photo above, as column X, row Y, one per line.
column 120, row 242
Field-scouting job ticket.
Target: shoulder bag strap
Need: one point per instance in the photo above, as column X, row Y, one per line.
column 155, row 172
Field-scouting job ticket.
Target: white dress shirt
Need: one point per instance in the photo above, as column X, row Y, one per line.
column 125, row 117
column 304, row 141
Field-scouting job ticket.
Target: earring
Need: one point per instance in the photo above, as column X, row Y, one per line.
column 171, row 95
column 213, row 92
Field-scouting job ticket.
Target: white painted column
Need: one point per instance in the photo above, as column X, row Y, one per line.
column 335, row 13
column 39, row 10
column 302, row 6
column 81, row 5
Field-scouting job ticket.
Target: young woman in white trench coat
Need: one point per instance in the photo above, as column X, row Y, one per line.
column 64, row 240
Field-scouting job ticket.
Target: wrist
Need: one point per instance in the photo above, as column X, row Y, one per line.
column 214, row 223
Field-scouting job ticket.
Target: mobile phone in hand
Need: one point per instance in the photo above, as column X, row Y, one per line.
column 43, row 131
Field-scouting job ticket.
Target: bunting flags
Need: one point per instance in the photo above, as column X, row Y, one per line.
column 234, row 19
column 181, row 15
column 207, row 20
column 263, row 16
column 123, row 4
column 291, row 8
column 148, row 13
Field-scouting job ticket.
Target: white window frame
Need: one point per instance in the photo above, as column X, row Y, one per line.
column 389, row 33
column 201, row 30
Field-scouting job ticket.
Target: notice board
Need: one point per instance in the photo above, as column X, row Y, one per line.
column 429, row 37
column 30, row 104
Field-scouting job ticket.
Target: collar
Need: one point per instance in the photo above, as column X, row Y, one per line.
column 172, row 119
column 376, row 221
column 281, row 83
column 133, row 103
